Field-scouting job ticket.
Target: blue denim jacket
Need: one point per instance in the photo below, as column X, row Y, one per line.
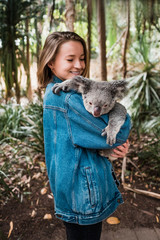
column 82, row 182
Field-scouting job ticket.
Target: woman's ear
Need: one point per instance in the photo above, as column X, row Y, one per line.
column 51, row 65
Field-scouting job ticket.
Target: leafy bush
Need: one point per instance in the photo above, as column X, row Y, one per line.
column 21, row 139
column 22, row 123
column 143, row 99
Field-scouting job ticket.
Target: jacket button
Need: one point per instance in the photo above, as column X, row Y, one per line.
column 118, row 200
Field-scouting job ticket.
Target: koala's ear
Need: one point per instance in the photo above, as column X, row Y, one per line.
column 82, row 84
column 118, row 88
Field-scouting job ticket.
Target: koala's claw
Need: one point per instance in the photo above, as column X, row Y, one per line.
column 60, row 87
column 111, row 140
column 104, row 132
column 111, row 137
column 56, row 88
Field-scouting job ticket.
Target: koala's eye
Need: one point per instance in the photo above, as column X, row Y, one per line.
column 90, row 103
column 106, row 105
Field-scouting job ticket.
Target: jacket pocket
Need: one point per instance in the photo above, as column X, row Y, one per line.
column 85, row 194
column 91, row 186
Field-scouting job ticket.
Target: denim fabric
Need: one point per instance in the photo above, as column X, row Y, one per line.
column 82, row 182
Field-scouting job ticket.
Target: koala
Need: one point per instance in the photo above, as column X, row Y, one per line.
column 100, row 98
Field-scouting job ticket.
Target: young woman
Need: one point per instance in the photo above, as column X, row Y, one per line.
column 83, row 182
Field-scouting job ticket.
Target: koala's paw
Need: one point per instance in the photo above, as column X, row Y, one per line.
column 111, row 140
column 59, row 87
column 111, row 136
column 56, row 88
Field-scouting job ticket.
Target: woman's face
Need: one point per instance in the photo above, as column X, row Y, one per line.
column 69, row 61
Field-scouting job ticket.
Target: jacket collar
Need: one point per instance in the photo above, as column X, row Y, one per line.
column 56, row 79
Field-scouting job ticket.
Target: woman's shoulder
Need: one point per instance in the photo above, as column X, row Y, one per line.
column 70, row 98
column 48, row 96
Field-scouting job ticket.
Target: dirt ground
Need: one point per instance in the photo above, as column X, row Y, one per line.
column 25, row 220
column 137, row 211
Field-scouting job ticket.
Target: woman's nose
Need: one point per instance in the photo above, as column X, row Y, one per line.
column 78, row 64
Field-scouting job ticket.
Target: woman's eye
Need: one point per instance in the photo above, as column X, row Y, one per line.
column 83, row 59
column 69, row 60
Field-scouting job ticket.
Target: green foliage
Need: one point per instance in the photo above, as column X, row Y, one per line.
column 144, row 85
column 111, row 22
column 59, row 17
column 22, row 123
column 21, row 139
column 12, row 121
column 34, row 115
column 143, row 98
column 112, row 32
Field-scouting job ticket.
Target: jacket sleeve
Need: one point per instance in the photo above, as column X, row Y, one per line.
column 85, row 129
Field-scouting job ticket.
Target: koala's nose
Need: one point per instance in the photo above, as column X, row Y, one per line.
column 97, row 111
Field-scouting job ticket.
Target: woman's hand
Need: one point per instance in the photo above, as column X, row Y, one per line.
column 121, row 151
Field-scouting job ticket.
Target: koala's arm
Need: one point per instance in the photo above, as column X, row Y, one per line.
column 117, row 118
column 78, row 83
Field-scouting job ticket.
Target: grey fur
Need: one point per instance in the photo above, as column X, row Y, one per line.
column 100, row 98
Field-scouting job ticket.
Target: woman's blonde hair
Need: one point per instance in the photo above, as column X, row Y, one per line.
column 49, row 51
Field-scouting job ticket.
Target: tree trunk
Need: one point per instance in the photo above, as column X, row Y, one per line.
column 13, row 71
column 51, row 13
column 102, row 37
column 89, row 11
column 15, row 77
column 7, row 60
column 70, row 15
column 126, row 41
column 38, row 29
column 38, row 22
column 29, row 88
